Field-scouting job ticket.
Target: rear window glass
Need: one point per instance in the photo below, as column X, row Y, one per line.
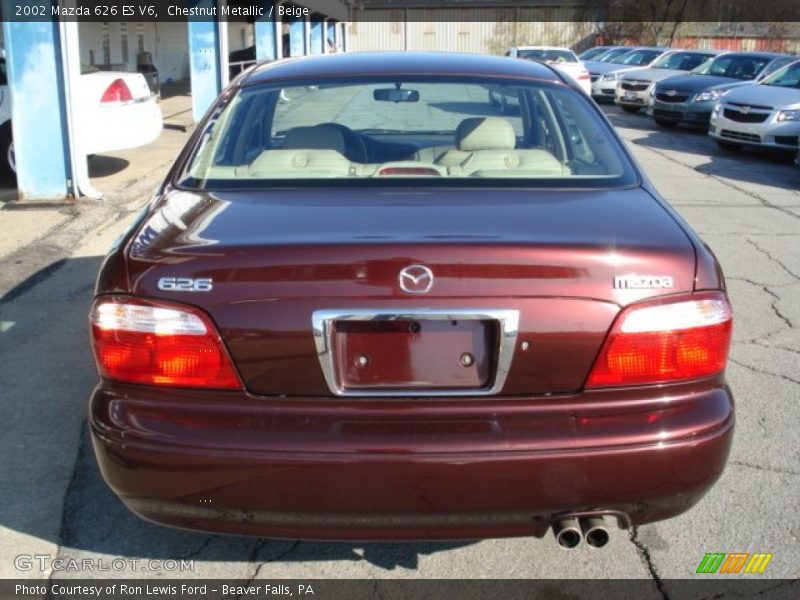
column 549, row 55
column 439, row 132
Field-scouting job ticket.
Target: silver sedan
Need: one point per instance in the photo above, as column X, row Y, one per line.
column 766, row 114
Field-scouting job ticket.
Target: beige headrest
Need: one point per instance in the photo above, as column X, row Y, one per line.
column 316, row 137
column 485, row 133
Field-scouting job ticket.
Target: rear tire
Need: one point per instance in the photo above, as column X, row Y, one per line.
column 7, row 161
column 631, row 109
column 729, row 146
column 666, row 124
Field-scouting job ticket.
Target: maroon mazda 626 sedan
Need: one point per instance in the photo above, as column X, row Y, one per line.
column 369, row 303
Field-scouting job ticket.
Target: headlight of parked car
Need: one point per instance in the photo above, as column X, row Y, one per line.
column 710, row 95
column 611, row 77
column 789, row 115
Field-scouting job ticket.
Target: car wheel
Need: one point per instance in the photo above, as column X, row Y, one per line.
column 7, row 161
column 729, row 146
column 631, row 109
column 667, row 124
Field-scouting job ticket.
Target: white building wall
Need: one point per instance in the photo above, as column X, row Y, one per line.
column 240, row 35
column 167, row 42
column 489, row 31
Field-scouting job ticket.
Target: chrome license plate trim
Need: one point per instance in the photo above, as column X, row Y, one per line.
column 507, row 319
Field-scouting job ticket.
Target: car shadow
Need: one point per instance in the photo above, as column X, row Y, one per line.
column 96, row 521
column 8, row 188
column 102, row 166
column 53, row 342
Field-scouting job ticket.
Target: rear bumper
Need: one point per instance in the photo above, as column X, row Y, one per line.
column 427, row 469
column 119, row 127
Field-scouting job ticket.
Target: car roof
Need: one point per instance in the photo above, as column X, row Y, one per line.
column 770, row 55
column 355, row 64
column 543, row 48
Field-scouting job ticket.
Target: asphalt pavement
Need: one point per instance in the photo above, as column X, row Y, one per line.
column 745, row 206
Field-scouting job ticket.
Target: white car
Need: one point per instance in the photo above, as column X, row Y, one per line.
column 116, row 111
column 562, row 59
column 604, row 75
column 765, row 114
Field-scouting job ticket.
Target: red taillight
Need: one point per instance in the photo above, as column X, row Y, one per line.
column 141, row 341
column 117, row 92
column 666, row 341
column 583, row 75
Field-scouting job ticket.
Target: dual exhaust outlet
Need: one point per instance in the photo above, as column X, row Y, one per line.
column 571, row 531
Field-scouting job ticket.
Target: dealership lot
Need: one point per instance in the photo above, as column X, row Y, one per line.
column 746, row 207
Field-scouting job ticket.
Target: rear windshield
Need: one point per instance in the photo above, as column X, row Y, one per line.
column 440, row 131
column 551, row 56
column 736, row 66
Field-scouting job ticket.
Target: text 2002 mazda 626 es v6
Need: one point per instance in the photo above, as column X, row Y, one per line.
column 364, row 306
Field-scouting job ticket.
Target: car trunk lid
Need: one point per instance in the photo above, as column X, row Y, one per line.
column 278, row 258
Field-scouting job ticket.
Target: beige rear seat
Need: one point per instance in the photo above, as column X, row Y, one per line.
column 486, row 148
column 479, row 133
column 300, row 163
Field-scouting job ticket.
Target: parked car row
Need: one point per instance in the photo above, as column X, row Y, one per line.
column 743, row 98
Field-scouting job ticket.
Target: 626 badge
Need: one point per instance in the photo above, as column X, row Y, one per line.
column 185, row 284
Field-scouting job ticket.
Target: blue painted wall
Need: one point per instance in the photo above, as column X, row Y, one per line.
column 297, row 37
column 204, row 63
column 317, row 37
column 33, row 62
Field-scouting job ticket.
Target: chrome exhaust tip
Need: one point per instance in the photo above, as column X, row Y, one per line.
column 567, row 533
column 594, row 531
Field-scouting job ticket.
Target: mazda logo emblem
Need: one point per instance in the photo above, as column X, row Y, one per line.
column 415, row 279
column 744, row 110
column 671, row 92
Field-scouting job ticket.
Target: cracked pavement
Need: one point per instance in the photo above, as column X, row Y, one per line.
column 745, row 206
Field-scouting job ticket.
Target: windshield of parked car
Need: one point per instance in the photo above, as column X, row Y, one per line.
column 735, row 66
column 592, row 53
column 788, row 76
column 610, row 55
column 638, row 57
column 437, row 130
column 681, row 61
column 551, row 56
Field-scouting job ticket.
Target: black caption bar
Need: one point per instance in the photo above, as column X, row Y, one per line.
column 359, row 589
column 597, row 11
